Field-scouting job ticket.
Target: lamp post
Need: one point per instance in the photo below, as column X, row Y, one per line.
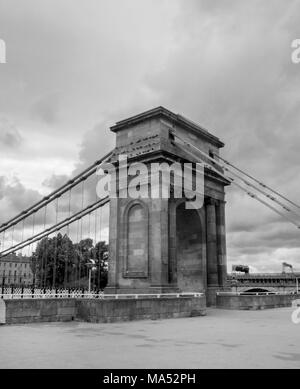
column 91, row 267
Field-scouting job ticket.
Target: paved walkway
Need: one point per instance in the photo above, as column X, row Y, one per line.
column 222, row 339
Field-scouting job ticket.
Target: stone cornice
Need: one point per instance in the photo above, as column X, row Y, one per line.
column 161, row 112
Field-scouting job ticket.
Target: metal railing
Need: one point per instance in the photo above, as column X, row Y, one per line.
column 154, row 295
column 46, row 293
column 255, row 293
column 37, row 293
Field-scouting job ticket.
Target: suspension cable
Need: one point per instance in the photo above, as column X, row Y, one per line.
column 252, row 195
column 258, row 182
column 55, row 247
column 82, row 202
column 95, row 246
column 261, row 191
column 58, row 226
column 67, row 242
column 65, row 236
column 95, row 243
column 3, row 241
column 100, row 254
column 23, row 227
column 89, row 221
column 33, row 225
column 57, row 193
column 45, row 252
column 12, row 235
column 81, row 225
column 231, row 172
column 77, row 252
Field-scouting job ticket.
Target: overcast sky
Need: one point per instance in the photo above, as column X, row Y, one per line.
column 75, row 67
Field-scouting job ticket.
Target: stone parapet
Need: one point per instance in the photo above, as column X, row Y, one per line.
column 21, row 311
column 255, row 302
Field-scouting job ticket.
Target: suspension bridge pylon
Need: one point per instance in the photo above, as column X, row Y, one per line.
column 157, row 244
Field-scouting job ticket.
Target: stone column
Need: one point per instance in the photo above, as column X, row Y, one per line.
column 221, row 243
column 172, row 244
column 113, row 246
column 211, row 243
column 159, row 259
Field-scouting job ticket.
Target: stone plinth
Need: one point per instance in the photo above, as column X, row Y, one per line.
column 102, row 310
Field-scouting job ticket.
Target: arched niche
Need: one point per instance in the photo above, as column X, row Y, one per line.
column 136, row 240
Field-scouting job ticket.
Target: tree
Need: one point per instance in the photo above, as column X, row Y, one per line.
column 100, row 255
column 53, row 261
column 83, row 250
column 60, row 263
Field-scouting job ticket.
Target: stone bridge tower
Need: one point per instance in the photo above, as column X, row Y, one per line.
column 156, row 244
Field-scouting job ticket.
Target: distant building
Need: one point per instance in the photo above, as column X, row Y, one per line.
column 15, row 270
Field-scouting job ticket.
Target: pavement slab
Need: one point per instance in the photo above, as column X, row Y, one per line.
column 222, row 339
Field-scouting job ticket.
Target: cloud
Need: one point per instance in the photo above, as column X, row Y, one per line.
column 55, row 181
column 75, row 68
column 231, row 72
column 47, row 108
column 14, row 198
column 10, row 137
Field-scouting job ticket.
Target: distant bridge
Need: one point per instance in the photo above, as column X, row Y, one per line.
column 264, row 282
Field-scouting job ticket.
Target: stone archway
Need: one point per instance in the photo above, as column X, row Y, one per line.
column 190, row 260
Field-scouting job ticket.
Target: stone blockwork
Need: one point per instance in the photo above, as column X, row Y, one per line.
column 255, row 302
column 156, row 244
column 101, row 311
column 140, row 309
column 39, row 310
